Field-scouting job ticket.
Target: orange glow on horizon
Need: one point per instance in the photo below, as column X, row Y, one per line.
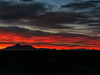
column 53, row 47
column 51, row 41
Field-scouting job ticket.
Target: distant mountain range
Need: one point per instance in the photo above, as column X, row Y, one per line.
column 25, row 47
column 19, row 47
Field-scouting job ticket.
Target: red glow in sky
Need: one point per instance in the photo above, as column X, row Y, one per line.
column 51, row 41
column 50, row 24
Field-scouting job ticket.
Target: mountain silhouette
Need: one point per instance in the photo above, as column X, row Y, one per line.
column 20, row 47
column 29, row 47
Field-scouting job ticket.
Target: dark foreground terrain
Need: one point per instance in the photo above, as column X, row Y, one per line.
column 49, row 62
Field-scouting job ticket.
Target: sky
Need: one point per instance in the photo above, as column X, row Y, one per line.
column 59, row 24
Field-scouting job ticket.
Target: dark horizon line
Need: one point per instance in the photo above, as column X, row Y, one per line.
column 80, row 49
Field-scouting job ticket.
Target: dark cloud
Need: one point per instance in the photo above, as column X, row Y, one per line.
column 90, row 10
column 13, row 13
column 11, row 10
column 26, row 0
column 82, row 5
column 53, row 20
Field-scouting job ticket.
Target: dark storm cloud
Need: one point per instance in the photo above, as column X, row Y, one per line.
column 12, row 10
column 82, row 5
column 54, row 19
column 26, row 0
column 90, row 9
column 51, row 20
column 13, row 13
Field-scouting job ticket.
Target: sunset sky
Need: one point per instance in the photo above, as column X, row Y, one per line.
column 59, row 24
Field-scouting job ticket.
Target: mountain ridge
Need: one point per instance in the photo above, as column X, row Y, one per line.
column 24, row 47
column 18, row 47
